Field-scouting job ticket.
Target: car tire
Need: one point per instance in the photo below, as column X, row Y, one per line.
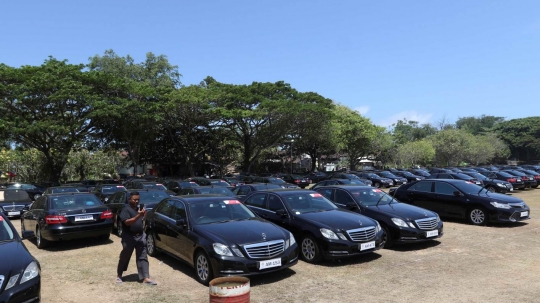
column 119, row 228
column 388, row 237
column 310, row 250
column 22, row 227
column 477, row 216
column 40, row 242
column 491, row 189
column 377, row 184
column 203, row 268
column 151, row 244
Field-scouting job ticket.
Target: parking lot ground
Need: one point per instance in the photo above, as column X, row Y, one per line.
column 494, row 263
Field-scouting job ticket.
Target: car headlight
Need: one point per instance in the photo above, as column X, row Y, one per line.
column 411, row 225
column 500, row 205
column 290, row 241
column 31, row 271
column 237, row 252
column 501, row 184
column 418, row 179
column 223, row 250
column 328, row 234
column 106, row 199
column 399, row 222
column 438, row 219
column 378, row 228
column 12, row 281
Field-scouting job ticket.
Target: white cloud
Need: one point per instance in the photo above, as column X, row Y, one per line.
column 410, row 115
column 363, row 110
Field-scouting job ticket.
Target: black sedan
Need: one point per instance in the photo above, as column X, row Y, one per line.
column 350, row 176
column 207, row 190
column 494, row 185
column 12, row 202
column 322, row 229
column 402, row 223
column 408, row 175
column 276, row 181
column 34, row 191
column 242, row 191
column 457, row 176
column 149, row 197
column 58, row 217
column 337, row 182
column 461, row 199
column 20, row 272
column 177, row 185
column 529, row 180
column 296, row 180
column 517, row 182
column 397, row 179
column 61, row 189
column 218, row 236
column 377, row 180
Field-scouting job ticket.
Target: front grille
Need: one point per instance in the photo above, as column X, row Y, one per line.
column 517, row 205
column 12, row 207
column 362, row 234
column 427, row 223
column 265, row 249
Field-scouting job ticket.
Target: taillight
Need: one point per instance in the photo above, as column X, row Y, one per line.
column 511, row 180
column 296, row 181
column 50, row 219
column 537, row 177
column 106, row 215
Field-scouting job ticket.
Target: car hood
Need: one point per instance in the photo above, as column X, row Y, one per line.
column 500, row 197
column 402, row 210
column 337, row 219
column 242, row 232
column 15, row 258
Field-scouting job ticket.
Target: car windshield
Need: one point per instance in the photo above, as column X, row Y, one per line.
column 371, row 196
column 14, row 195
column 276, row 181
column 219, row 211
column 152, row 196
column 219, row 183
column 57, row 190
column 302, row 203
column 505, row 174
column 387, row 174
column 478, row 176
column 21, row 186
column 154, row 186
column 112, row 189
column 406, row 174
column 188, row 184
column 74, row 201
column 350, row 176
column 6, row 233
column 517, row 173
column 469, row 188
column 217, row 191
column 462, row 176
column 297, row 177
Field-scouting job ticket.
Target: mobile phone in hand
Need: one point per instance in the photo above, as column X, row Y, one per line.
column 141, row 206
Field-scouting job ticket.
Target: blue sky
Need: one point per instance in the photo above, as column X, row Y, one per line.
column 420, row 60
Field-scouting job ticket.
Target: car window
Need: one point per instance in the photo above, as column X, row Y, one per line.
column 74, row 201
column 444, row 176
column 256, row 200
column 443, row 188
column 274, row 203
column 327, row 193
column 424, row 186
column 244, row 190
column 342, row 197
column 6, row 233
column 165, row 208
column 219, row 211
column 308, row 202
column 179, row 211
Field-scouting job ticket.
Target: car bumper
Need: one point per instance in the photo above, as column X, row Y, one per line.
column 414, row 235
column 224, row 266
column 518, row 185
column 60, row 233
column 29, row 291
column 511, row 215
column 333, row 249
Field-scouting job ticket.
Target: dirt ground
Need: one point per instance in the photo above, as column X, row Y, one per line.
column 495, row 263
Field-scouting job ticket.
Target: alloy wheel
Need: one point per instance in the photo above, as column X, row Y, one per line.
column 308, row 249
column 477, row 216
column 202, row 267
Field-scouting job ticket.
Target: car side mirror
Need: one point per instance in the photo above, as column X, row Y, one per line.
column 27, row 234
column 180, row 222
column 351, row 205
column 457, row 193
column 282, row 213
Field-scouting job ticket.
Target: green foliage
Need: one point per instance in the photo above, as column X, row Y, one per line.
column 412, row 153
column 405, row 131
column 28, row 164
column 522, row 136
column 451, row 146
column 97, row 165
column 478, row 125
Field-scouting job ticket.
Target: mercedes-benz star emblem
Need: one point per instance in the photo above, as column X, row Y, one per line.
column 360, row 222
column 84, row 211
column 425, row 214
column 264, row 236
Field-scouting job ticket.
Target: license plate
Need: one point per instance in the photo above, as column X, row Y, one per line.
column 270, row 263
column 432, row 233
column 84, row 218
column 524, row 213
column 13, row 213
column 368, row 245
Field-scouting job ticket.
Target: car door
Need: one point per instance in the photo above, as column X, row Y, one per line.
column 420, row 194
column 31, row 217
column 448, row 204
column 179, row 235
column 272, row 205
column 161, row 221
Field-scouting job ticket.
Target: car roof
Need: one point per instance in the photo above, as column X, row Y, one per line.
column 348, row 186
column 203, row 198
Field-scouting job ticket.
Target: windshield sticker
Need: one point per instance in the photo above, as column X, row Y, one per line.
column 232, row 202
column 377, row 190
column 315, row 195
column 1, row 219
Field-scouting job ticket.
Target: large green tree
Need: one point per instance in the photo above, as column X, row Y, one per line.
column 478, row 125
column 451, row 146
column 522, row 136
column 49, row 108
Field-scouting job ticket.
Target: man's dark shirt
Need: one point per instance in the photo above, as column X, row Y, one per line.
column 127, row 213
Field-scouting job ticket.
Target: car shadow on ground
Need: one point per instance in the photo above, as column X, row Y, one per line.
column 488, row 225
column 271, row 277
column 359, row 259
column 73, row 244
column 414, row 246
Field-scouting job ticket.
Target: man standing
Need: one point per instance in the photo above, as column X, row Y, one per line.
column 133, row 237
